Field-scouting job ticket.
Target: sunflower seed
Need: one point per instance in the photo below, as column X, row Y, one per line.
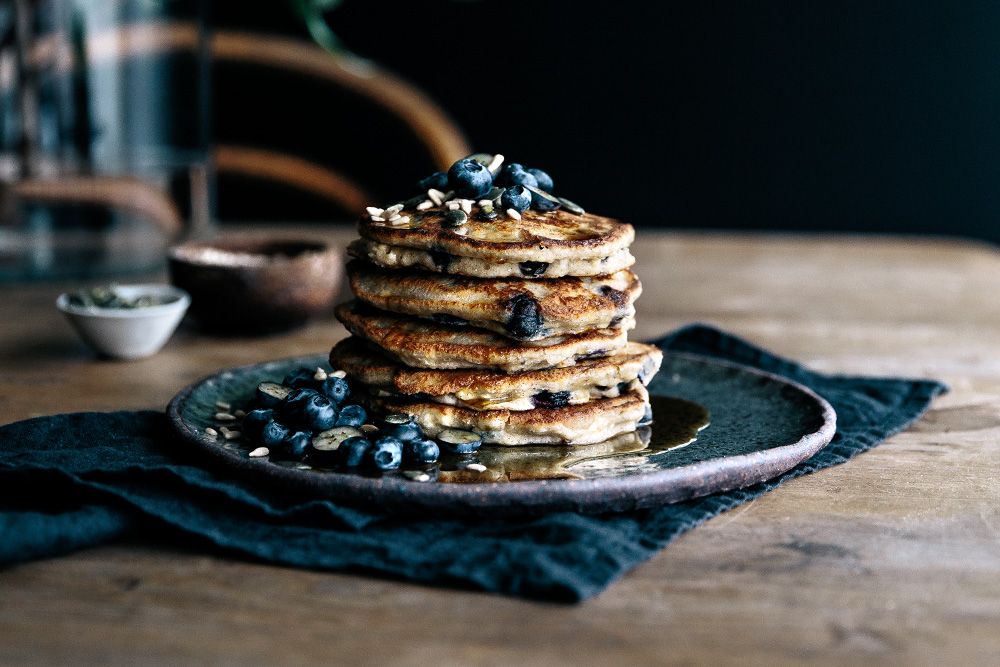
column 240, row 414
column 456, row 218
column 212, row 432
column 319, row 375
column 495, row 163
column 478, row 467
column 374, row 210
column 395, row 217
column 485, row 202
column 232, row 435
column 435, row 196
column 570, row 206
column 339, row 374
column 259, row 452
column 453, row 205
column 512, row 213
column 466, row 205
column 482, row 158
column 392, row 210
column 399, row 221
column 424, row 205
column 219, row 405
column 376, row 218
column 224, row 417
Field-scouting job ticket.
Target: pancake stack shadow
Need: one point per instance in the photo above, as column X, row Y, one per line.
column 472, row 314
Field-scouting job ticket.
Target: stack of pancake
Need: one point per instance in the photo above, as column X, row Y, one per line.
column 514, row 328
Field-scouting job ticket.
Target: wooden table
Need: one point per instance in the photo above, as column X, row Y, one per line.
column 892, row 558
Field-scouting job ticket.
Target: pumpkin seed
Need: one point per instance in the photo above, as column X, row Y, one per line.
column 456, row 217
column 487, row 213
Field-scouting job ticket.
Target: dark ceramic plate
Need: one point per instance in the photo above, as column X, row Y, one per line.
column 758, row 426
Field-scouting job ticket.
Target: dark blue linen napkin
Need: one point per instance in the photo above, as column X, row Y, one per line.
column 74, row 480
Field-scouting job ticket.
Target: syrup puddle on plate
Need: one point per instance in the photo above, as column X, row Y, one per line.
column 676, row 423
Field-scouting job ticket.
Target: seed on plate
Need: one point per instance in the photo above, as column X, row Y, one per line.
column 512, row 213
column 435, row 196
column 211, row 431
column 220, row 405
column 478, row 467
column 259, row 452
column 374, row 210
column 339, row 374
column 240, row 414
column 575, row 209
column 424, row 205
column 319, row 375
column 456, row 218
column 224, row 417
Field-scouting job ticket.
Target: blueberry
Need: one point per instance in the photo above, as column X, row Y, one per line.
column 351, row 452
column 273, row 433
column 533, row 269
column 647, row 416
column 516, row 197
column 421, row 451
column 301, row 377
column 320, row 413
column 451, row 321
column 544, row 180
column 386, row 453
column 514, row 174
column 295, row 445
column 438, row 180
column 469, row 179
column 549, row 399
column 271, row 394
column 524, row 318
column 442, row 260
column 351, row 415
column 307, row 408
column 403, row 432
column 336, row 389
column 253, row 424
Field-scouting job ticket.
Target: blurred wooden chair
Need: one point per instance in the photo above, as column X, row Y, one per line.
column 387, row 133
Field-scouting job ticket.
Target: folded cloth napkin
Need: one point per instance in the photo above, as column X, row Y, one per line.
column 74, row 480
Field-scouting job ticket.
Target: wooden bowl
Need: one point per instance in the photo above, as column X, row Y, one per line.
column 256, row 286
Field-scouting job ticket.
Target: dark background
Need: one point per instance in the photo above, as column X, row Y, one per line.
column 779, row 114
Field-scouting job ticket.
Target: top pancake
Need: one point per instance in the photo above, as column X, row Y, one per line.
column 536, row 237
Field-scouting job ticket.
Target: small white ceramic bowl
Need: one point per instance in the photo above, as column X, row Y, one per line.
column 129, row 333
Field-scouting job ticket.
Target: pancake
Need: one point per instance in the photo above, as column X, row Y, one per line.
column 588, row 380
column 423, row 344
column 584, row 424
column 536, row 237
column 521, row 309
column 400, row 257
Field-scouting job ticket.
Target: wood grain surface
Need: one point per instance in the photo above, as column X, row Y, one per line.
column 890, row 559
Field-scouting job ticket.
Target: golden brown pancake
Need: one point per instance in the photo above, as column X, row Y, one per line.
column 423, row 344
column 520, row 309
column 401, row 257
column 584, row 424
column 478, row 389
column 536, row 237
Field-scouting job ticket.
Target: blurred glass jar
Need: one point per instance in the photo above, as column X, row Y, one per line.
column 104, row 135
